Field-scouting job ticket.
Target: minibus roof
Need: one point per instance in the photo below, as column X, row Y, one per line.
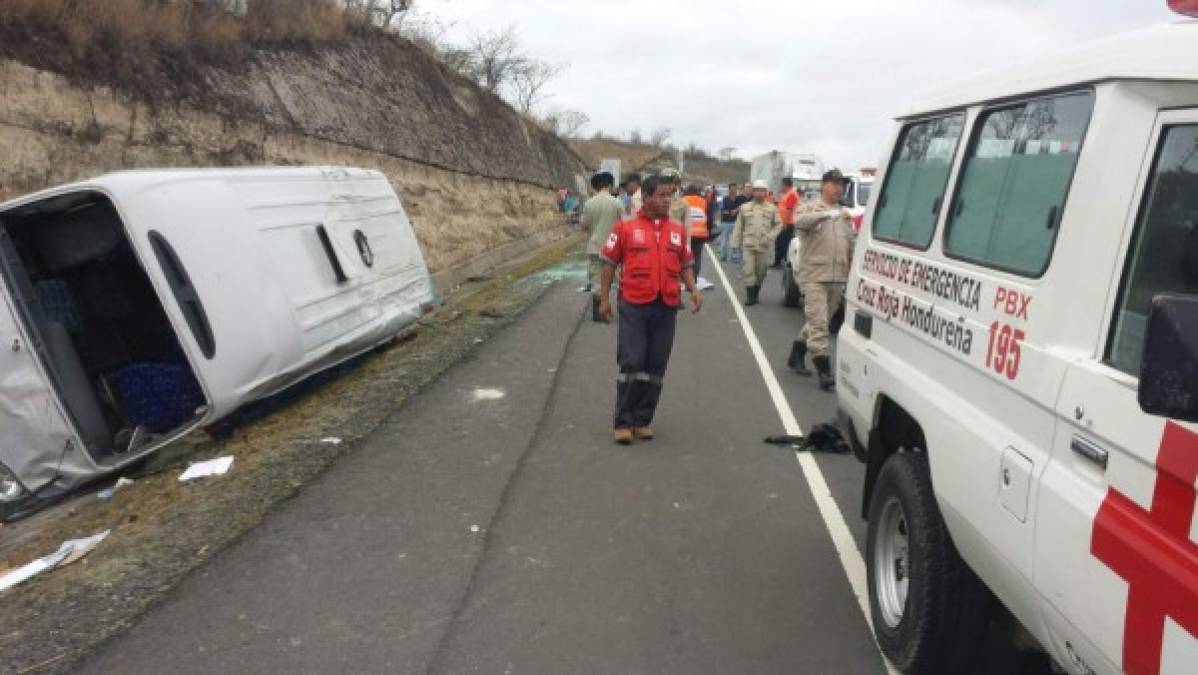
column 1164, row 52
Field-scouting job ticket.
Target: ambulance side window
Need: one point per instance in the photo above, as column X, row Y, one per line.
column 909, row 205
column 1163, row 257
column 1008, row 205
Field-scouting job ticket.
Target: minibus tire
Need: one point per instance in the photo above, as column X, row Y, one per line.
column 947, row 609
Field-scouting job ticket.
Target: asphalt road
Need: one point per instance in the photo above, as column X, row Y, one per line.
column 492, row 526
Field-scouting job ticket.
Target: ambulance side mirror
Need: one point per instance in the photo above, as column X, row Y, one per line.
column 1169, row 374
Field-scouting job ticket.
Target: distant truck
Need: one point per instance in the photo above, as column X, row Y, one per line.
column 772, row 167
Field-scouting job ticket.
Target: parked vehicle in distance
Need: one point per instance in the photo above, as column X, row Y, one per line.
column 772, row 167
column 1019, row 367
column 139, row 306
column 856, row 194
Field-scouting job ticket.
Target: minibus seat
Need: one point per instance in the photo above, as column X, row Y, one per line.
column 158, row 396
column 104, row 295
column 74, row 239
column 59, row 304
column 75, row 387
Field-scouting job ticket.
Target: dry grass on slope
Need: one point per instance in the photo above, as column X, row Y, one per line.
column 88, row 27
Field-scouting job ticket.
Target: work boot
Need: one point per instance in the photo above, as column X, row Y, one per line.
column 623, row 436
column 643, row 434
column 751, row 295
column 798, row 358
column 823, row 366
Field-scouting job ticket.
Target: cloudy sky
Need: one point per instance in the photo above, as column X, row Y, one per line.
column 796, row 75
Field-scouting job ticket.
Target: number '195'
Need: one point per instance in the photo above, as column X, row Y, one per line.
column 1003, row 352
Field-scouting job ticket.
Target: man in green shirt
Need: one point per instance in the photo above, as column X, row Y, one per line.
column 599, row 215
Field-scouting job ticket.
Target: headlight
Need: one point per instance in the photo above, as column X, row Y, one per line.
column 10, row 488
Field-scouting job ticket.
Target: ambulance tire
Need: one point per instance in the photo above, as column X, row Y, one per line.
column 791, row 296
column 944, row 619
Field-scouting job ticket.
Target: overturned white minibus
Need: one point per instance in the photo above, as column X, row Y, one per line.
column 138, row 306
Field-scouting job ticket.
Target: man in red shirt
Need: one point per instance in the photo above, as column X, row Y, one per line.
column 786, row 213
column 657, row 262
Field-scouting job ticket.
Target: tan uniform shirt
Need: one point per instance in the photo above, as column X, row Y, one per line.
column 757, row 225
column 599, row 215
column 826, row 241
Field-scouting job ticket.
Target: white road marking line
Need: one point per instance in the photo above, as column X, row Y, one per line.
column 842, row 538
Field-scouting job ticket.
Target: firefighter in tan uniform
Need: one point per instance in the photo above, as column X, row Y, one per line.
column 757, row 225
column 826, row 238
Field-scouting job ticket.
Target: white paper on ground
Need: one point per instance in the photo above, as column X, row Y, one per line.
column 213, row 467
column 107, row 493
column 703, row 284
column 66, row 554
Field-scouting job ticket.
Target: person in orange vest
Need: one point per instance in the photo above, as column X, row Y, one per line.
column 656, row 264
column 697, row 228
column 786, row 213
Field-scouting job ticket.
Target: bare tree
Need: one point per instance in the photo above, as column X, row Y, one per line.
column 634, row 136
column 496, row 57
column 528, row 82
column 659, row 136
column 386, row 14
column 573, row 121
column 726, row 153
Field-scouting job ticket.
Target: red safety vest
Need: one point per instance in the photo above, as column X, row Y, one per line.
column 652, row 264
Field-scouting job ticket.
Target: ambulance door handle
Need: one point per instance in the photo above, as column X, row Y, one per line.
column 1090, row 450
column 936, row 205
column 1052, row 217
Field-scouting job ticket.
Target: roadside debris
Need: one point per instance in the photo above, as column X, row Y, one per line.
column 107, row 493
column 70, row 551
column 481, row 394
column 331, row 440
column 703, row 284
column 213, row 467
column 822, row 438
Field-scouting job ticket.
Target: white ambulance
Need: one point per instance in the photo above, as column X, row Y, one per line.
column 137, row 306
column 1019, row 363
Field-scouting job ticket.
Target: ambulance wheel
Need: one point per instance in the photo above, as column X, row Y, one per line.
column 929, row 610
column 791, row 297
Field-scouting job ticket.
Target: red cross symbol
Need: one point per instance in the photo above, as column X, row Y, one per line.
column 1152, row 551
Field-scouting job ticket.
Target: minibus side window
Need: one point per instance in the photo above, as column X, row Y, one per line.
column 1163, row 257
column 185, row 294
column 909, row 204
column 1008, row 205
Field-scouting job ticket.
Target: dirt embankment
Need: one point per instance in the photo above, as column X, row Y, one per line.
column 474, row 174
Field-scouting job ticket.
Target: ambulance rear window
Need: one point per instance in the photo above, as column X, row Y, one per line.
column 909, row 204
column 1008, row 205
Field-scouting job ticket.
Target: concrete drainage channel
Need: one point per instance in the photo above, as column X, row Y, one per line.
column 162, row 528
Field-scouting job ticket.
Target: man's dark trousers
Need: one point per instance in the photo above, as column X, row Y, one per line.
column 645, row 336
column 782, row 244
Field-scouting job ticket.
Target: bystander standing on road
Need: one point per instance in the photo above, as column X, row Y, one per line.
column 713, row 214
column 825, row 231
column 635, row 202
column 698, row 229
column 652, row 250
column 599, row 215
column 678, row 207
column 728, row 209
column 756, row 226
column 786, row 213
